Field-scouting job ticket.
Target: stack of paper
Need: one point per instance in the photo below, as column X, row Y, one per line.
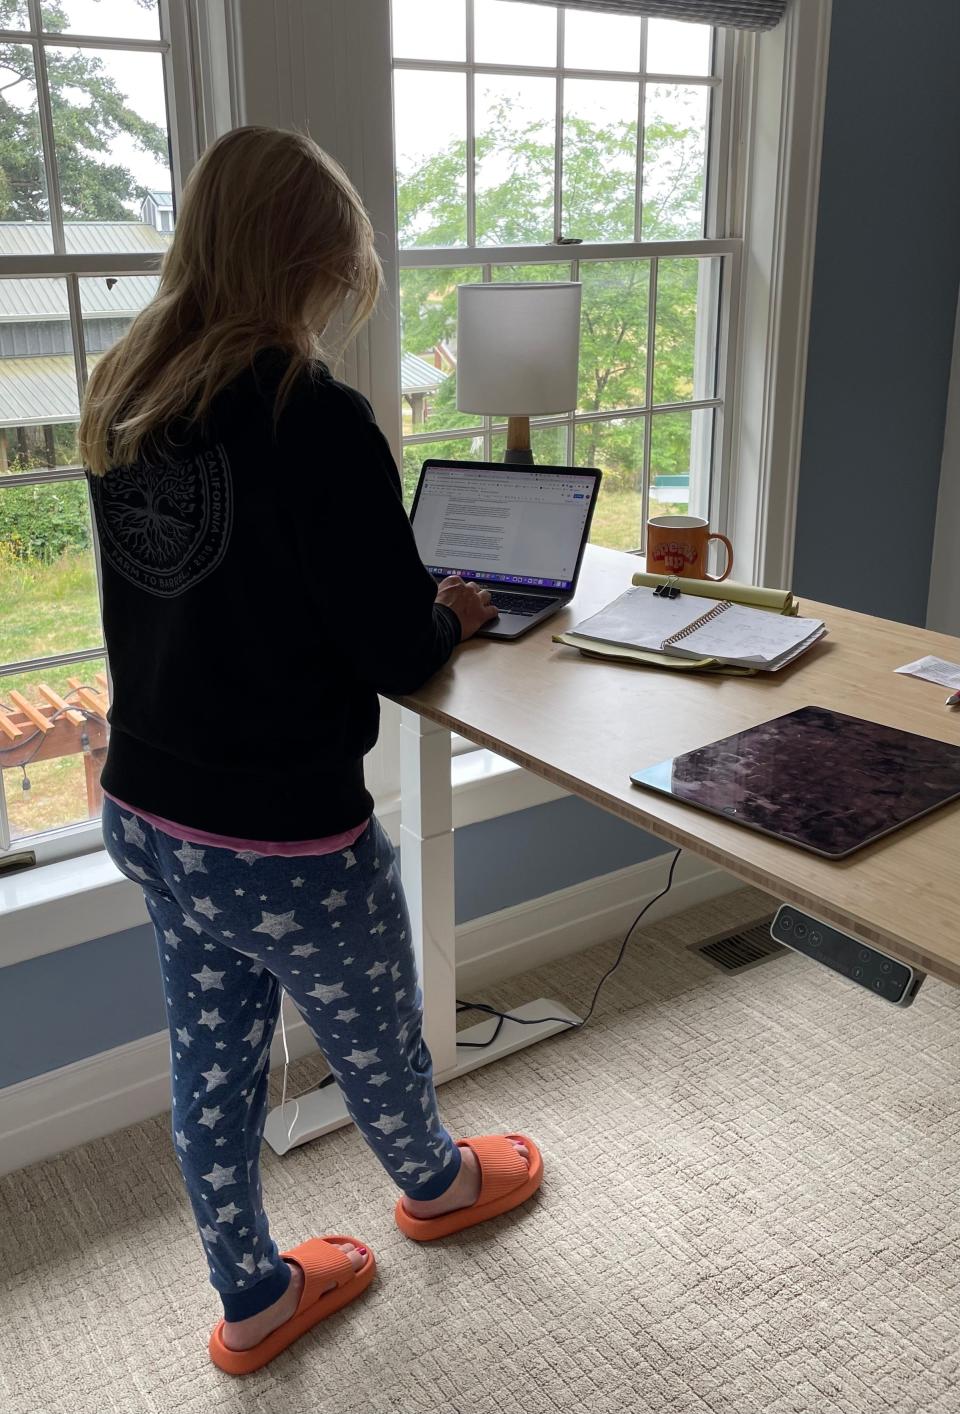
column 687, row 631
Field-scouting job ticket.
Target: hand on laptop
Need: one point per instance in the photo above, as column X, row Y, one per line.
column 470, row 604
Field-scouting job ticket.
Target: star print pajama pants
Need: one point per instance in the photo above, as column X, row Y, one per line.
column 233, row 929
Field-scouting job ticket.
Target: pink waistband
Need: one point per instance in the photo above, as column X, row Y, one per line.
column 328, row 845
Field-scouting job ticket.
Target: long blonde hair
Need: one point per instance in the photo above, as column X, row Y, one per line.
column 272, row 243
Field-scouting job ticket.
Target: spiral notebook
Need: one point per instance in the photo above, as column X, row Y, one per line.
column 727, row 632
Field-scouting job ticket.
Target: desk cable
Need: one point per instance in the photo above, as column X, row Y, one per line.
column 501, row 1016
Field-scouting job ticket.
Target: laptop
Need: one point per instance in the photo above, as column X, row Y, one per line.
column 520, row 531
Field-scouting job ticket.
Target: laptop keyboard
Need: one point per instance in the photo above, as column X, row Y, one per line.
column 523, row 604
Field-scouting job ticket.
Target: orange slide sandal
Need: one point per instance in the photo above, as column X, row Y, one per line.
column 322, row 1263
column 507, row 1179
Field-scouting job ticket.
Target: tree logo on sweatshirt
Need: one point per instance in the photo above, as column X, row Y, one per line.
column 165, row 525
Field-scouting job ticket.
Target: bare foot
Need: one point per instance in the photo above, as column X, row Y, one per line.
column 463, row 1191
column 244, row 1335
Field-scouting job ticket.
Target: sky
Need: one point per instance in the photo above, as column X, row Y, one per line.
column 121, row 19
column 139, row 76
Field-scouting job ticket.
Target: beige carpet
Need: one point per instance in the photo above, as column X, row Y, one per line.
column 750, row 1205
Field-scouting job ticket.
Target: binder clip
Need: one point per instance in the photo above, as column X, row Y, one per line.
column 668, row 590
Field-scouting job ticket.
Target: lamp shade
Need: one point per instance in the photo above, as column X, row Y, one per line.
column 518, row 347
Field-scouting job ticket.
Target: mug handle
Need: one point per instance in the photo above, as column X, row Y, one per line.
column 717, row 577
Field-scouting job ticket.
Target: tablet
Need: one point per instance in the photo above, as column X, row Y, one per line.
column 814, row 778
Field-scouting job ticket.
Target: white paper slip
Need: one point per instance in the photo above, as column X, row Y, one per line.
column 934, row 670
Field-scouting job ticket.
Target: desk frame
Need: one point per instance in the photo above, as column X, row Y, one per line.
column 585, row 725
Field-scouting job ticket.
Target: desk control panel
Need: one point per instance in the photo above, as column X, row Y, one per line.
column 893, row 981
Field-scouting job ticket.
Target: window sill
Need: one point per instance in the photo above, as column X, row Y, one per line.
column 72, row 901
column 56, row 906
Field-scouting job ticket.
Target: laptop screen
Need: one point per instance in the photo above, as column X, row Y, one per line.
column 504, row 524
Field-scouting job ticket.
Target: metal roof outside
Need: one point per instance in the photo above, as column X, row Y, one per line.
column 28, row 299
column 35, row 392
column 82, row 238
column 418, row 376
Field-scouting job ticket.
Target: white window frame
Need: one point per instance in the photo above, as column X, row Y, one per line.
column 943, row 602
column 774, row 203
column 177, row 48
column 294, row 63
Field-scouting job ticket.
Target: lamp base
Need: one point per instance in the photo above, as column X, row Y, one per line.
column 518, row 451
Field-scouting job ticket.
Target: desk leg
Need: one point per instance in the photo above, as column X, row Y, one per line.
column 426, row 856
column 426, row 834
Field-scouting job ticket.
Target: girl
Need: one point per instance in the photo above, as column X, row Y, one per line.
column 252, row 531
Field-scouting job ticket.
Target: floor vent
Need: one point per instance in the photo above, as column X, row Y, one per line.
column 738, row 951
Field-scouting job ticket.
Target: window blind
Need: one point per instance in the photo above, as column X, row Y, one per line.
column 733, row 14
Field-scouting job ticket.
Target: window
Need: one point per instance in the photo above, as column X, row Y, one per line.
column 763, row 135
column 86, row 212
column 535, row 142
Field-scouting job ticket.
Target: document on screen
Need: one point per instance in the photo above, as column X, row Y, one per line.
column 512, row 526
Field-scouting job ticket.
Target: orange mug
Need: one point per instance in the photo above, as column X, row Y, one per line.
column 678, row 545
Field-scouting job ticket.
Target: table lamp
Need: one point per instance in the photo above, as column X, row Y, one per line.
column 518, row 348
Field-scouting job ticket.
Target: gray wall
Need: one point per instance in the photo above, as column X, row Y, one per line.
column 68, row 1005
column 884, row 304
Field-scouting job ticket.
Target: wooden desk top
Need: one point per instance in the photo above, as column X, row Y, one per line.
column 586, row 725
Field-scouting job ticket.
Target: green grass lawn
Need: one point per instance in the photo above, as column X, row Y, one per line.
column 48, row 608
column 616, row 520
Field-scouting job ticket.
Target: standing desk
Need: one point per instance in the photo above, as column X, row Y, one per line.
column 584, row 724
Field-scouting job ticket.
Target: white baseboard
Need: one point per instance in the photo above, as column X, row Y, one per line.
column 48, row 1113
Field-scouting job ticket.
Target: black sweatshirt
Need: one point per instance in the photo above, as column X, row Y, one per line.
column 261, row 585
